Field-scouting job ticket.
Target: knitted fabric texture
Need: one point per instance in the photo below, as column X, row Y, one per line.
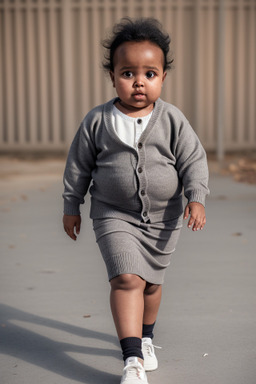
column 144, row 184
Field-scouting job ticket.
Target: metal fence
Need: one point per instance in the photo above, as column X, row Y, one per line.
column 51, row 76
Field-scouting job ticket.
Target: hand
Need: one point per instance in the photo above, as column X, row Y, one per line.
column 71, row 222
column 197, row 216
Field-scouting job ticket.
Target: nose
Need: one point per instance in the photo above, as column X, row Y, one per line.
column 138, row 82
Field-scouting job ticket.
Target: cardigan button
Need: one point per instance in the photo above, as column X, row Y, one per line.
column 139, row 145
column 140, row 169
column 139, row 121
column 142, row 192
column 145, row 214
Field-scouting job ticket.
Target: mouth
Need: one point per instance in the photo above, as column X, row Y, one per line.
column 139, row 95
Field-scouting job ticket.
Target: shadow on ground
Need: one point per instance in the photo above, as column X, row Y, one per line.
column 49, row 354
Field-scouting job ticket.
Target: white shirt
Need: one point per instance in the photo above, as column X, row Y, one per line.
column 129, row 129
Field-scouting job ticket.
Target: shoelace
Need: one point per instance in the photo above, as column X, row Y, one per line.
column 150, row 348
column 133, row 371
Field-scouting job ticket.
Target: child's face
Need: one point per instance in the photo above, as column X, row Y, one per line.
column 138, row 75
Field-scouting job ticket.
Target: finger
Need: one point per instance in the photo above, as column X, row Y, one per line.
column 70, row 233
column 199, row 224
column 191, row 222
column 194, row 223
column 78, row 228
column 196, row 226
column 186, row 212
column 203, row 223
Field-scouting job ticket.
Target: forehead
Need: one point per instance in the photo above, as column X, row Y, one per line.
column 133, row 53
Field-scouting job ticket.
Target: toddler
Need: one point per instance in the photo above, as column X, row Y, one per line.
column 139, row 152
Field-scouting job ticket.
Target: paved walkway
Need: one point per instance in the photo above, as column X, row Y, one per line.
column 55, row 322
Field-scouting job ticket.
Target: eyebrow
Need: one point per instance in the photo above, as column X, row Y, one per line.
column 148, row 67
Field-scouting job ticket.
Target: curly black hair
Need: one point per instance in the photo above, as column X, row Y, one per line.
column 143, row 29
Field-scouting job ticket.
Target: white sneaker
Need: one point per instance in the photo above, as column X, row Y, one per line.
column 134, row 372
column 148, row 350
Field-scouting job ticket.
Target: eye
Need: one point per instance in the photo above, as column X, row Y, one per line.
column 128, row 74
column 150, row 74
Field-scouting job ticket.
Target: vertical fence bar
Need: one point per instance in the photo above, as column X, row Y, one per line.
column 95, row 57
column 54, row 77
column 108, row 24
column 179, row 72
column 167, row 18
column 228, row 87
column 251, row 71
column 220, row 83
column 118, row 9
column 43, row 74
column 20, row 76
column 199, row 97
column 32, row 79
column 210, row 96
column 84, row 54
column 158, row 8
column 9, row 69
column 146, row 8
column 82, row 41
column 2, row 98
column 240, row 65
column 67, row 80
column 132, row 8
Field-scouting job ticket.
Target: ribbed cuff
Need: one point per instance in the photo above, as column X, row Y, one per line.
column 71, row 209
column 196, row 197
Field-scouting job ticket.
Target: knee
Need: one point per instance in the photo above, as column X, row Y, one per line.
column 127, row 282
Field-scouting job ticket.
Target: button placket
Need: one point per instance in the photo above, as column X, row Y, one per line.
column 138, row 129
column 142, row 179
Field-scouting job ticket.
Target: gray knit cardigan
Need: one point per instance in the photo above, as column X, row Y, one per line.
column 144, row 184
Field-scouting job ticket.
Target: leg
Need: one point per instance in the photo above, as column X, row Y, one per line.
column 152, row 299
column 127, row 305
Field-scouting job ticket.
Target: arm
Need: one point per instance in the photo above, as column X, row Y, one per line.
column 77, row 178
column 193, row 171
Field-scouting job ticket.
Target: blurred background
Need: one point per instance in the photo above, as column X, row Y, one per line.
column 51, row 75
column 54, row 292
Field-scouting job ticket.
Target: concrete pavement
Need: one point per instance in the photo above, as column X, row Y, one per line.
column 55, row 321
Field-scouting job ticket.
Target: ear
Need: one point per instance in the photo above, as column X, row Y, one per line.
column 112, row 77
column 164, row 77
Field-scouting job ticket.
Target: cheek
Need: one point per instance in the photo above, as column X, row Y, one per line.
column 123, row 85
column 156, row 88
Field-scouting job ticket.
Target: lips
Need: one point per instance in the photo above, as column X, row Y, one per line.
column 139, row 96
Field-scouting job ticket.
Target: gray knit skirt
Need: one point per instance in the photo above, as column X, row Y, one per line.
column 143, row 249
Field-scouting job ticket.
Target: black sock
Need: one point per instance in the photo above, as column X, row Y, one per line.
column 147, row 330
column 131, row 346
